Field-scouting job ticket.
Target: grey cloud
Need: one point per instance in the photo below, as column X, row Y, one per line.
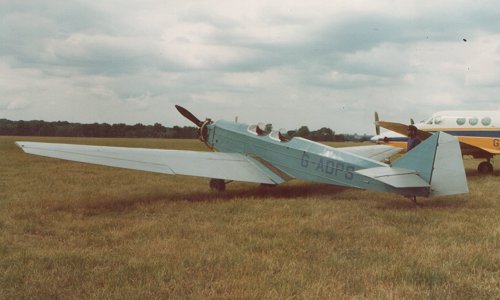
column 66, row 17
column 327, row 46
column 203, row 17
column 334, row 40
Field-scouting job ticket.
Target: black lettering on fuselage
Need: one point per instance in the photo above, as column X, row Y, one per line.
column 339, row 167
column 320, row 166
column 328, row 166
column 349, row 172
column 304, row 162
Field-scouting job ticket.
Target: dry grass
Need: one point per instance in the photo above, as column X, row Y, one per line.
column 70, row 230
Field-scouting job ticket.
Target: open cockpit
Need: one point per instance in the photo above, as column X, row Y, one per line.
column 279, row 135
column 261, row 129
column 258, row 129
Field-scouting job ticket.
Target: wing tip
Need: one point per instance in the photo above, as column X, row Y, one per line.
column 19, row 144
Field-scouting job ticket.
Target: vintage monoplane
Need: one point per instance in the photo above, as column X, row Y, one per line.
column 248, row 153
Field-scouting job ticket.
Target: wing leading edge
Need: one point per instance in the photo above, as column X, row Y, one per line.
column 467, row 145
column 403, row 129
column 227, row 166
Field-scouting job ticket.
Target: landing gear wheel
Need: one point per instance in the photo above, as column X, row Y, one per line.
column 485, row 167
column 217, row 185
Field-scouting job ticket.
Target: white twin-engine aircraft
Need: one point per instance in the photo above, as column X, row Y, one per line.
column 249, row 153
column 477, row 131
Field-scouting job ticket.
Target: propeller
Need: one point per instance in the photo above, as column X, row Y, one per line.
column 411, row 121
column 377, row 127
column 188, row 115
column 202, row 125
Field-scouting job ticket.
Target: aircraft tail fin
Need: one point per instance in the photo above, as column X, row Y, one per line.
column 438, row 161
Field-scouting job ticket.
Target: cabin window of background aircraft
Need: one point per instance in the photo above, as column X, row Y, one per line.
column 473, row 121
column 486, row 121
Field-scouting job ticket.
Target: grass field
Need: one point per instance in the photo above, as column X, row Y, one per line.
column 76, row 231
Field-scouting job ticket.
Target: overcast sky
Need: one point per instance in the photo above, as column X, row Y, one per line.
column 289, row 63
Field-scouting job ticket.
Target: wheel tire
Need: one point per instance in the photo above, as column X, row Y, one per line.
column 485, row 167
column 217, row 185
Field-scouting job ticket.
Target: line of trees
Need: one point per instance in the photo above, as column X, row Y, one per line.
column 63, row 128
column 326, row 135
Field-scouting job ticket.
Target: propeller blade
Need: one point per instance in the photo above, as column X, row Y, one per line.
column 377, row 127
column 411, row 121
column 188, row 115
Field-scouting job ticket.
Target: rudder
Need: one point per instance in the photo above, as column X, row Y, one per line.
column 438, row 161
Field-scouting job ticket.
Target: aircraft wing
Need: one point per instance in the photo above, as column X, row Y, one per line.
column 375, row 152
column 476, row 150
column 403, row 129
column 227, row 166
column 466, row 146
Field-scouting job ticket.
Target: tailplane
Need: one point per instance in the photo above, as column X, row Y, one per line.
column 438, row 161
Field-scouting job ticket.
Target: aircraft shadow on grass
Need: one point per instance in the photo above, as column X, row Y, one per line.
column 285, row 192
column 432, row 204
column 120, row 204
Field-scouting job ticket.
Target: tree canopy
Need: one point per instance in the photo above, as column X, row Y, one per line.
column 64, row 128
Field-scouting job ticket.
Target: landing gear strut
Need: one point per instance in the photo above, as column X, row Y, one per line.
column 217, row 185
column 485, row 167
column 414, row 200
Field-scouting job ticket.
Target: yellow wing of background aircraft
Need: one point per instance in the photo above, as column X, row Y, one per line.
column 477, row 131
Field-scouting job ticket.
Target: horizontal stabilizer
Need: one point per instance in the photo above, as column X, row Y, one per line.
column 227, row 166
column 395, row 177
